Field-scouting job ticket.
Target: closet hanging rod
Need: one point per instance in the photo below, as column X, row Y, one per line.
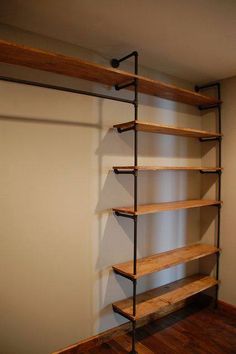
column 64, row 89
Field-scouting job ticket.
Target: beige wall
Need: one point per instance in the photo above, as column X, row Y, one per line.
column 228, row 264
column 59, row 237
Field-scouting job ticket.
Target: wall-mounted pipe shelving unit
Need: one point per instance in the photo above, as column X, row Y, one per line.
column 154, row 300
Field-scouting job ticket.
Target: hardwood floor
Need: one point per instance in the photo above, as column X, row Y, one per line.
column 196, row 329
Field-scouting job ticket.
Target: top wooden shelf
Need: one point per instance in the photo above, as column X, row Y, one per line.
column 16, row 54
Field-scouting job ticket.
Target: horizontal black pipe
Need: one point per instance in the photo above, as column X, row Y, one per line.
column 122, row 130
column 123, row 314
column 115, row 63
column 64, row 89
column 122, row 172
column 129, row 216
column 209, row 172
column 202, row 108
column 219, row 138
column 125, row 85
column 202, row 87
column 124, row 275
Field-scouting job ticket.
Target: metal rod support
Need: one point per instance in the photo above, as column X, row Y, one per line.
column 123, row 275
column 219, row 139
column 211, row 172
column 207, row 86
column 219, row 194
column 120, row 172
column 120, row 130
column 203, row 108
column 115, row 63
column 64, row 89
column 129, row 216
column 122, row 86
column 133, row 351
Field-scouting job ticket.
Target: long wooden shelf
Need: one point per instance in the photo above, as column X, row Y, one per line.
column 155, row 300
column 158, row 262
column 167, row 168
column 16, row 54
column 166, row 206
column 165, row 129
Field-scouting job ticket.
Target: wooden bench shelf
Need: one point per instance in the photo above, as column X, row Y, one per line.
column 167, row 168
column 165, row 129
column 158, row 262
column 156, row 299
column 166, row 206
column 16, row 54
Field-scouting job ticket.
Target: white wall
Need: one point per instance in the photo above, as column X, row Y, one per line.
column 59, row 237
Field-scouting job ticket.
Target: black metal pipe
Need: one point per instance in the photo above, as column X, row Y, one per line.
column 135, row 161
column 123, row 275
column 218, row 106
column 207, row 86
column 135, row 197
column 115, row 63
column 133, row 351
column 217, row 138
column 219, row 190
column 121, row 130
column 64, row 89
column 120, row 172
column 129, row 216
column 203, row 108
column 125, row 85
column 210, row 172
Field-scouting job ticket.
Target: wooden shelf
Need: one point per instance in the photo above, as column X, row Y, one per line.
column 166, row 129
column 167, row 168
column 16, row 54
column 158, row 262
column 155, row 300
column 167, row 206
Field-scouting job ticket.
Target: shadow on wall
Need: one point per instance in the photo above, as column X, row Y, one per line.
column 209, row 186
column 157, row 232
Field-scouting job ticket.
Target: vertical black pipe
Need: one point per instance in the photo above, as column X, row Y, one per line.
column 115, row 63
column 217, row 241
column 135, row 197
column 219, row 195
column 133, row 351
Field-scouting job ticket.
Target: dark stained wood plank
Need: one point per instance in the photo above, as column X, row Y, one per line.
column 16, row 54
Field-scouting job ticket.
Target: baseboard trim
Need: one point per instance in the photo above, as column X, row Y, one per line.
column 103, row 337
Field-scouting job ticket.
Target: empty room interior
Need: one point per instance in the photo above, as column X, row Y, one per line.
column 117, row 162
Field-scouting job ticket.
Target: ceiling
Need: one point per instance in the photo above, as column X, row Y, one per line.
column 190, row 39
